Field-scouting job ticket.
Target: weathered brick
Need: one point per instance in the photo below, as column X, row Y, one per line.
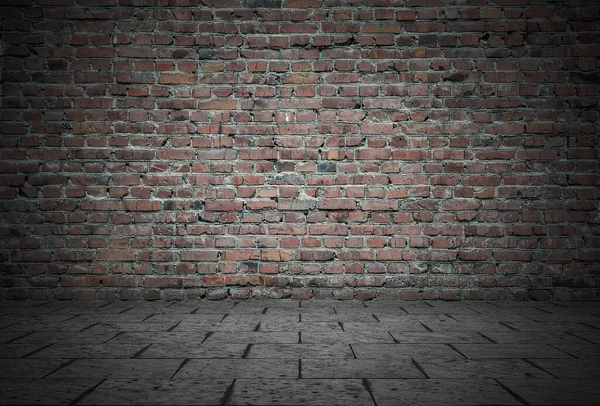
column 266, row 144
column 337, row 204
column 316, row 255
column 197, row 255
column 224, row 205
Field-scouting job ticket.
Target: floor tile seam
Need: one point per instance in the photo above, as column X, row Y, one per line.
column 63, row 365
column 29, row 354
column 563, row 351
column 86, row 393
column 532, row 363
column 512, row 393
column 228, row 394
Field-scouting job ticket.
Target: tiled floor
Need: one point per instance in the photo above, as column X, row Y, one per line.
column 300, row 353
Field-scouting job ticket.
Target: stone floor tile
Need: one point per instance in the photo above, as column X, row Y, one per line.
column 592, row 336
column 239, row 368
column 198, row 307
column 476, row 369
column 159, row 337
column 391, row 311
column 581, row 350
column 300, row 351
column 422, row 318
column 187, row 318
column 433, row 337
column 424, row 308
column 360, row 368
column 90, row 318
column 275, row 325
column 493, row 318
column 253, row 307
column 549, row 326
column 421, row 310
column 198, row 325
column 62, row 350
column 28, row 368
column 20, row 304
column 465, row 326
column 570, row 368
column 116, row 327
column 339, row 341
column 132, row 309
column 481, row 306
column 220, row 305
column 575, row 304
column 254, row 319
column 41, row 319
column 282, row 392
column 556, row 391
column 384, row 327
column 564, row 318
column 13, row 351
column 387, row 303
column 250, row 337
column 280, row 311
column 509, row 351
column 47, row 325
column 119, row 368
column 175, row 350
column 66, row 309
column 536, row 337
column 441, row 392
column 43, row 391
column 51, row 337
column 340, row 337
column 7, row 336
column 118, row 307
column 157, row 392
column 519, row 305
column 187, row 307
column 516, row 313
column 453, row 305
column 66, row 327
column 415, row 351
column 591, row 324
column 4, row 325
column 346, row 317
column 257, row 307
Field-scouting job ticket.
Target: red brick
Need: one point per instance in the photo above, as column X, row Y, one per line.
column 328, row 229
column 276, row 255
column 162, row 282
column 115, row 255
column 224, row 205
column 337, row 204
column 141, row 205
column 316, row 255
column 196, row 255
column 218, row 105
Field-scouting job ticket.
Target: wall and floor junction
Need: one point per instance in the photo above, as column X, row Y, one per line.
column 360, row 149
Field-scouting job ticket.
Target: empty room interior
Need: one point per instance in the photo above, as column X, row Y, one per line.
column 300, row 202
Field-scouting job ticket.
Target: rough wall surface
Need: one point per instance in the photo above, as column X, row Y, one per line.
column 300, row 148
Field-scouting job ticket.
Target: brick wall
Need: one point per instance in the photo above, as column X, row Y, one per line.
column 300, row 148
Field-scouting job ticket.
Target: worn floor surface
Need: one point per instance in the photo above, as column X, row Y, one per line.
column 300, row 353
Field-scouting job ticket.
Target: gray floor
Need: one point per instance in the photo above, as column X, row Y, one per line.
column 300, row 353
